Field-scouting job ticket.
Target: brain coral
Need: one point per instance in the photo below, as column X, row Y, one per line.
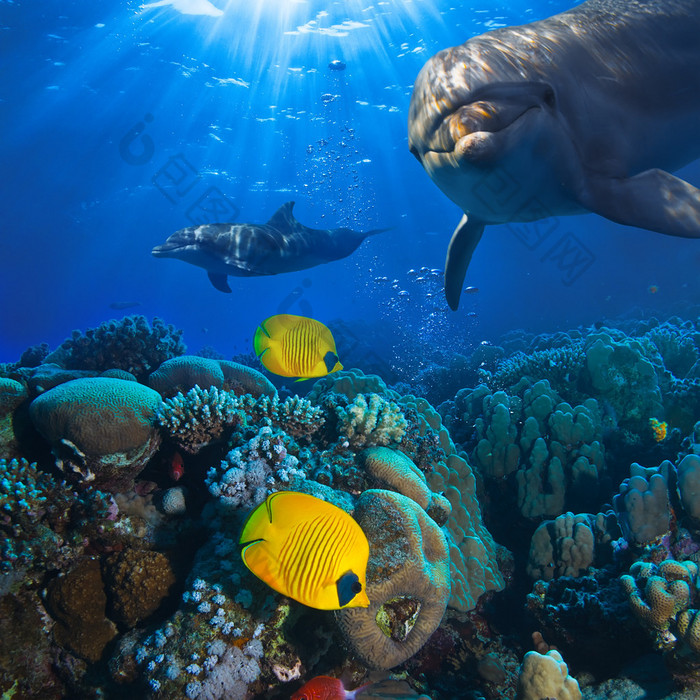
column 180, row 374
column 101, row 429
column 408, row 580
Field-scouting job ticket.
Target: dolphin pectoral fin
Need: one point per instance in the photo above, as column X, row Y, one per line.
column 459, row 254
column 219, row 281
column 653, row 199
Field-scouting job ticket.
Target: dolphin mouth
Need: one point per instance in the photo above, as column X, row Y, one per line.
column 462, row 129
column 166, row 249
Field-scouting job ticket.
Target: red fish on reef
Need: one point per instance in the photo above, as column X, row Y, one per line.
column 326, row 688
column 177, row 467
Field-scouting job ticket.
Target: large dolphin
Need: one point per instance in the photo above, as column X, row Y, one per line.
column 249, row 250
column 585, row 111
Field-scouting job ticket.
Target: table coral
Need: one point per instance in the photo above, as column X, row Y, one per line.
column 101, row 430
column 408, row 580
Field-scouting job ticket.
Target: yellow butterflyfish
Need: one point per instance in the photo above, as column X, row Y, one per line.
column 296, row 346
column 307, row 549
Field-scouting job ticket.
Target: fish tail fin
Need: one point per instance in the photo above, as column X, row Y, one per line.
column 261, row 340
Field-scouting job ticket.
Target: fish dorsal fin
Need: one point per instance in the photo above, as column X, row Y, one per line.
column 283, row 217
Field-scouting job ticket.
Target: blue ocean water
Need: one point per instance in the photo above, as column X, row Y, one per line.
column 124, row 122
column 238, row 112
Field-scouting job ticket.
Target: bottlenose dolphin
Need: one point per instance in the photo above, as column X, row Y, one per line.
column 249, row 250
column 585, row 111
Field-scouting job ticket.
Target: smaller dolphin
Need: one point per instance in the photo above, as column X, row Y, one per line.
column 251, row 250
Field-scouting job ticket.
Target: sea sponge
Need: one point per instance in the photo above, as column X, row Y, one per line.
column 137, row 581
column 408, row 580
column 546, row 676
column 77, row 602
column 102, row 430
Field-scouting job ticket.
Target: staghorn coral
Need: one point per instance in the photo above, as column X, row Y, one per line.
column 102, row 430
column 137, row 581
column 129, row 344
column 371, row 420
column 199, row 417
column 408, row 581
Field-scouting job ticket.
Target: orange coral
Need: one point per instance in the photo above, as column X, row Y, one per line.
column 659, row 429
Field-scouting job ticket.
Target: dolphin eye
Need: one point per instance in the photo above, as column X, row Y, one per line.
column 549, row 98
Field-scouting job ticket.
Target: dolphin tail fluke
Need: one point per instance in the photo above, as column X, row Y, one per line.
column 376, row 231
column 653, row 199
column 219, row 281
column 459, row 254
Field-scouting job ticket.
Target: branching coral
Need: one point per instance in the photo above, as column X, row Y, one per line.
column 129, row 344
column 295, row 416
column 371, row 420
column 249, row 473
column 200, row 417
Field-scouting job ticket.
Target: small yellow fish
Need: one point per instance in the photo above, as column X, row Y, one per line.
column 307, row 549
column 296, row 346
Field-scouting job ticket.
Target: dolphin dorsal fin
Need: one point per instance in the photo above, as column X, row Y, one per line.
column 283, row 217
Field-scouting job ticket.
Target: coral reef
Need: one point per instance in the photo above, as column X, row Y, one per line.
column 129, row 344
column 546, row 676
column 102, row 430
column 407, row 580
